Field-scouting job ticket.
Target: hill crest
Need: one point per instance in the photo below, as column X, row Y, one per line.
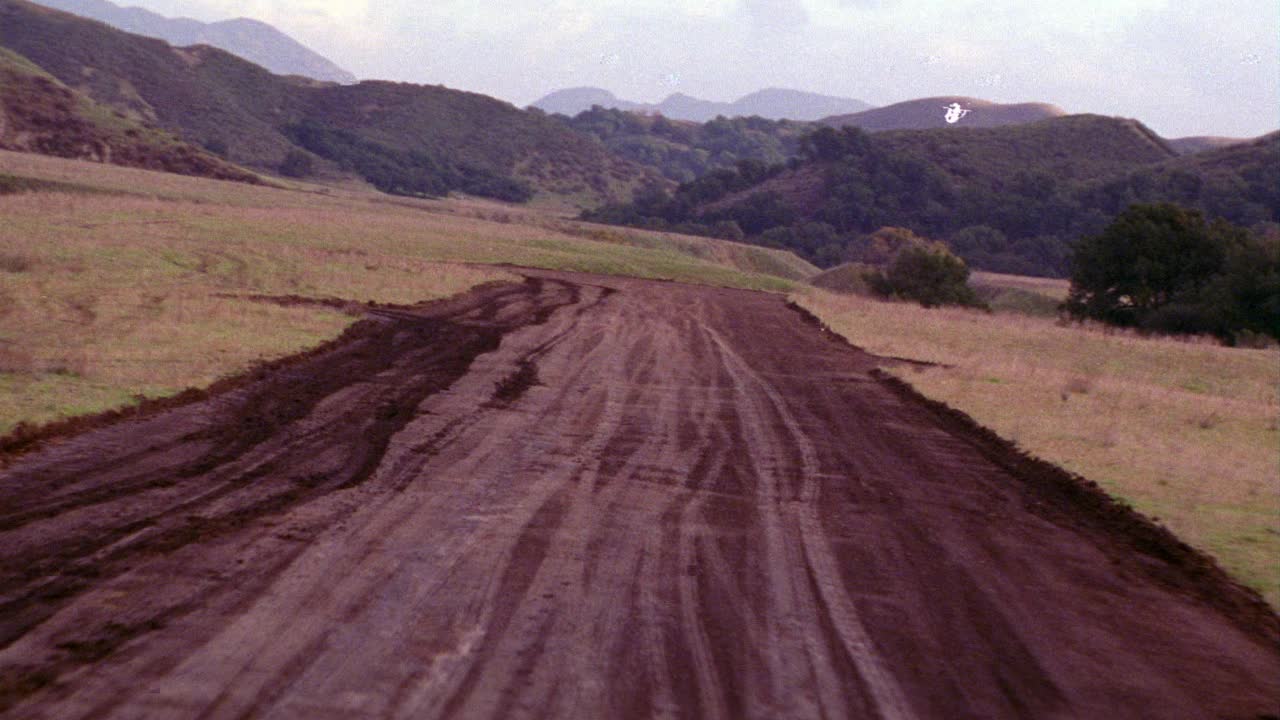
column 253, row 40
column 769, row 103
column 931, row 113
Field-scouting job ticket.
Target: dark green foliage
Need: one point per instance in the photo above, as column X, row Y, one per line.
column 1149, row 257
column 685, row 151
column 402, row 173
column 816, row 240
column 760, row 211
column 1165, row 268
column 869, row 186
column 927, row 273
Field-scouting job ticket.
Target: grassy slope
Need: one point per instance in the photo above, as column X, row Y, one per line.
column 1183, row 431
column 38, row 113
column 492, row 133
column 1034, row 296
column 1072, row 147
column 207, row 95
column 119, row 292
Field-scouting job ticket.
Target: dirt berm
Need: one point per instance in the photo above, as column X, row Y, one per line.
column 582, row 497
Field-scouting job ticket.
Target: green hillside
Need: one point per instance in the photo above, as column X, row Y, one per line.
column 683, row 150
column 1062, row 149
column 40, row 114
column 243, row 112
column 1010, row 199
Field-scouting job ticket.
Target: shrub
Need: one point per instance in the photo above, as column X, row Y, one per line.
column 1165, row 269
column 928, row 274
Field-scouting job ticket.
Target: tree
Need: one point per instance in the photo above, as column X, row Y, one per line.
column 1244, row 299
column 1149, row 257
column 928, row 273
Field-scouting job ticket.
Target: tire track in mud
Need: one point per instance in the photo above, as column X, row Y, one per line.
column 590, row 497
column 261, row 454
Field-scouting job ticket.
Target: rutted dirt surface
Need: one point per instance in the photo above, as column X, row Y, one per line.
column 594, row 498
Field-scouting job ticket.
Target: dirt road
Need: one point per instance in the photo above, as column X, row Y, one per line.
column 595, row 498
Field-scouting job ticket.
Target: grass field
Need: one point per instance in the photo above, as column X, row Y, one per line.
column 117, row 284
column 1024, row 295
column 1183, row 431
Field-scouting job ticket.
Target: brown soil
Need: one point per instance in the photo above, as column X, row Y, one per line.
column 595, row 497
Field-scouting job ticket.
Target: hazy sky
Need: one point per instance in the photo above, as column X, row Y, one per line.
column 1186, row 67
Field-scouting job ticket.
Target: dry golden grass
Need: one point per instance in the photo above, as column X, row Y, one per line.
column 122, row 292
column 1052, row 288
column 121, row 297
column 1184, row 431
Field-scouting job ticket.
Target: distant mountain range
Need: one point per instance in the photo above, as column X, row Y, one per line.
column 252, row 40
column 771, row 103
column 930, row 113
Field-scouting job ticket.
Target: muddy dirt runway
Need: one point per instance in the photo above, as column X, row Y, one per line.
column 594, row 498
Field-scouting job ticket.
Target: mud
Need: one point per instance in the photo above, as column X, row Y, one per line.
column 594, row 497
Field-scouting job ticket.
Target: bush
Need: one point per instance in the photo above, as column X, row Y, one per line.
column 928, row 274
column 1149, row 257
column 1165, row 269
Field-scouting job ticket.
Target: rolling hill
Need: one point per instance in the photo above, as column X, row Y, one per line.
column 1063, row 148
column 1007, row 199
column 683, row 150
column 770, row 103
column 1034, row 158
column 252, row 40
column 929, row 113
column 40, row 114
column 402, row 138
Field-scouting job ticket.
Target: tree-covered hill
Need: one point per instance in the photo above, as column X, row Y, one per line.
column 1011, row 199
column 1057, row 150
column 682, row 150
column 249, row 116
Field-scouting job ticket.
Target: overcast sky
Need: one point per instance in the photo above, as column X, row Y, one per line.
column 1185, row 67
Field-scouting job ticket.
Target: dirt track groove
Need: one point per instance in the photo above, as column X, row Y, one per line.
column 589, row 498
